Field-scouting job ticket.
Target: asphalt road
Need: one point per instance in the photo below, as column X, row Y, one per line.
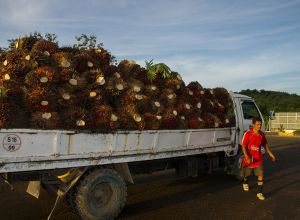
column 166, row 196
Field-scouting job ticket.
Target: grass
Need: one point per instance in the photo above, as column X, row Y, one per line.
column 297, row 132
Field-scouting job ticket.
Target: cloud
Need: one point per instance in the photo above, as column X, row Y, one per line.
column 22, row 12
column 236, row 44
column 270, row 70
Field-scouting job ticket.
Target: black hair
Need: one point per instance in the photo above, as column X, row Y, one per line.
column 255, row 119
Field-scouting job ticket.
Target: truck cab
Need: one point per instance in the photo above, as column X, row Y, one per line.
column 245, row 110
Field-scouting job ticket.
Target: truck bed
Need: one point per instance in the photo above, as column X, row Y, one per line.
column 27, row 149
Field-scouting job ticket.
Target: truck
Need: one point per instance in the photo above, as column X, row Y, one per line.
column 92, row 170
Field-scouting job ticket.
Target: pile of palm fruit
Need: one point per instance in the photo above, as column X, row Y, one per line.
column 44, row 86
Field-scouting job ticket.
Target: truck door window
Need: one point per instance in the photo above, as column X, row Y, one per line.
column 249, row 110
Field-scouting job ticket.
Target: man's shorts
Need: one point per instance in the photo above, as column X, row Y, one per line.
column 258, row 171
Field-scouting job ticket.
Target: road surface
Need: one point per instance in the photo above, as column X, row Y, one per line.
column 166, row 196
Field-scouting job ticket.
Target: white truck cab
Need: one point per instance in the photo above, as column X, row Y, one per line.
column 245, row 110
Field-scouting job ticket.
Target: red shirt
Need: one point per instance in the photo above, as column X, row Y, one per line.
column 253, row 143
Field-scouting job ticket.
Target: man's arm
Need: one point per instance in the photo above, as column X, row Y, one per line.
column 246, row 154
column 270, row 152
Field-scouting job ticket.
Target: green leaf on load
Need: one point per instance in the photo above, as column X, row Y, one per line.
column 159, row 68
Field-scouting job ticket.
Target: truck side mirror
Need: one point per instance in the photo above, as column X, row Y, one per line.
column 272, row 115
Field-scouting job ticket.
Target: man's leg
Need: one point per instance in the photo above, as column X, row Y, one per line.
column 259, row 173
column 246, row 171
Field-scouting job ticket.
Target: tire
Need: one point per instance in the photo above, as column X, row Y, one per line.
column 50, row 188
column 237, row 167
column 70, row 198
column 100, row 195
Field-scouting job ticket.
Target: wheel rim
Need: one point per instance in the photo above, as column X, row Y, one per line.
column 100, row 195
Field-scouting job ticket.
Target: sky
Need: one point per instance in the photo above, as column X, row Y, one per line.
column 238, row 44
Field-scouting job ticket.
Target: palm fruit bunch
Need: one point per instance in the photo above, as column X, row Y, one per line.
column 45, row 86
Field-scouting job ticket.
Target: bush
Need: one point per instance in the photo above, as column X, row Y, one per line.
column 297, row 132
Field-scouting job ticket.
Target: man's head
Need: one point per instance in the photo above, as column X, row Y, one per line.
column 256, row 122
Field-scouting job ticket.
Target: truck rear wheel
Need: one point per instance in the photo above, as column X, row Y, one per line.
column 100, row 195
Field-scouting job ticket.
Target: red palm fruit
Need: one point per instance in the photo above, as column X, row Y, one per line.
column 218, row 106
column 211, row 121
column 66, row 97
column 196, row 88
column 94, row 77
column 209, row 93
column 111, row 71
column 168, row 97
column 13, row 115
column 17, row 64
column 222, row 95
column 141, row 101
column 195, row 122
column 229, row 115
column 14, row 94
column 115, row 86
column 127, row 97
column 44, row 47
column 114, row 122
column 2, row 58
column 197, row 107
column 152, row 121
column 69, row 50
column 26, row 43
column 64, row 60
column 90, row 97
column 78, row 82
column 153, row 106
column 76, row 118
column 125, row 68
column 83, row 62
column 41, row 76
column 67, row 74
column 156, row 106
column 1, row 115
column 185, row 94
column 183, row 122
column 140, row 124
column 169, row 119
column 151, row 90
column 184, row 108
column 141, row 74
column 208, row 106
column 102, row 116
column 174, row 82
column 41, row 99
column 135, row 85
column 101, row 56
column 130, row 117
column 225, row 120
column 45, row 120
column 208, row 120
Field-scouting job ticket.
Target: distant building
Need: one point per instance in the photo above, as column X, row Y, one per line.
column 285, row 121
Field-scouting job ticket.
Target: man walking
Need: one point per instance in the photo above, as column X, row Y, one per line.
column 254, row 145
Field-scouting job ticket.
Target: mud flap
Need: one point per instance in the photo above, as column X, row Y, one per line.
column 34, row 188
column 68, row 181
column 123, row 169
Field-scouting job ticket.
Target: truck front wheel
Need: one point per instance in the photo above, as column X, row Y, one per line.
column 237, row 166
column 100, row 194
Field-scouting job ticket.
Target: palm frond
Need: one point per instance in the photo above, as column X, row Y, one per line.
column 159, row 68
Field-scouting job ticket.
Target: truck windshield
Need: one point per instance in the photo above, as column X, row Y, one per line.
column 249, row 109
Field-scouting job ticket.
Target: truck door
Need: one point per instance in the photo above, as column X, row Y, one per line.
column 249, row 111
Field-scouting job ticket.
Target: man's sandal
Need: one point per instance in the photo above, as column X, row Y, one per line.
column 245, row 187
column 260, row 196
